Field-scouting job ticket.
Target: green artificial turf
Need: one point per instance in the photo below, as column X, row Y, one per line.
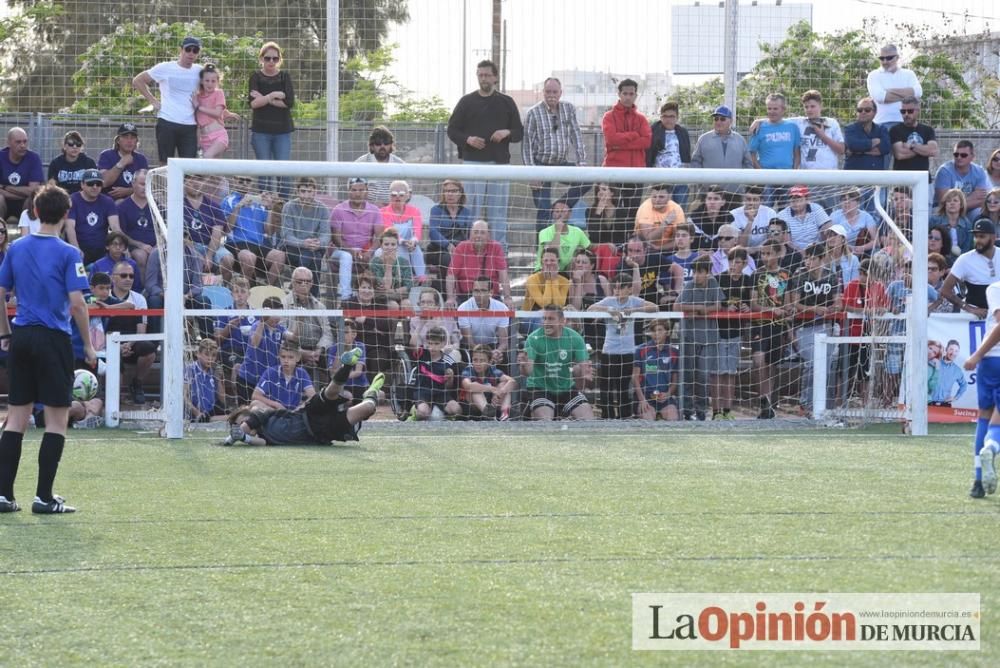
column 466, row 545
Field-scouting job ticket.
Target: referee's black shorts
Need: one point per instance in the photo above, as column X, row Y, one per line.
column 40, row 367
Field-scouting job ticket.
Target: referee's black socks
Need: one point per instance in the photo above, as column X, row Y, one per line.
column 48, row 462
column 10, row 457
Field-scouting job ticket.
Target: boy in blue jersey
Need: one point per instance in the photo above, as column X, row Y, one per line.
column 435, row 377
column 326, row 417
column 986, row 362
column 203, row 397
column 286, row 385
column 357, row 379
column 655, row 375
column 485, row 387
column 263, row 345
column 49, row 278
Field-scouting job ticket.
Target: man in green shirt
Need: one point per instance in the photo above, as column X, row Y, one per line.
column 554, row 356
column 561, row 236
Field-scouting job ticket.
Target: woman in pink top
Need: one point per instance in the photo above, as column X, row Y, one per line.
column 408, row 221
column 210, row 113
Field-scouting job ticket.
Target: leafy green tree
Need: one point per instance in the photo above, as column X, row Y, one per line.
column 39, row 60
column 837, row 65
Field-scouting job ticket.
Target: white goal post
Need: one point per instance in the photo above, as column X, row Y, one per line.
column 177, row 168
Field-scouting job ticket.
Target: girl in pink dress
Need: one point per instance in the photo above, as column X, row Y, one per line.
column 210, row 113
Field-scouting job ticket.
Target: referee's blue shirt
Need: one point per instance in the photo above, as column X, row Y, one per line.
column 47, row 269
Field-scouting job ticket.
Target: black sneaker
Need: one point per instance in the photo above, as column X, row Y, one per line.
column 8, row 505
column 138, row 394
column 54, row 507
column 977, row 491
column 700, row 416
column 766, row 413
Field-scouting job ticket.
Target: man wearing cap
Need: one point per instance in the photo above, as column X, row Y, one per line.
column 721, row 147
column 119, row 164
column 977, row 269
column 803, row 218
column 355, row 228
column 91, row 215
column 176, row 128
column 20, row 174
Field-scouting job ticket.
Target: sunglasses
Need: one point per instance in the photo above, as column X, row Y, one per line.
column 864, row 110
column 555, row 123
column 73, row 144
column 886, row 59
column 960, row 154
column 907, row 111
column 398, row 193
column 271, row 59
column 125, row 275
column 192, row 49
column 719, row 118
column 94, row 183
column 726, row 238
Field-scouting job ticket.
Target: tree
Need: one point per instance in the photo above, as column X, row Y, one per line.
column 837, row 65
column 38, row 63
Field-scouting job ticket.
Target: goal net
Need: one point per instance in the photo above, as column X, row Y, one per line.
column 715, row 311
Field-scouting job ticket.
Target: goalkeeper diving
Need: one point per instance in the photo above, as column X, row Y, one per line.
column 326, row 417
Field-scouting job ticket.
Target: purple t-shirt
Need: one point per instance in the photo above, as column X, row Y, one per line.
column 109, row 158
column 199, row 222
column 356, row 227
column 29, row 170
column 91, row 220
column 136, row 223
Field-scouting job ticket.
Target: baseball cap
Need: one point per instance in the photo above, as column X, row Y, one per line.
column 723, row 110
column 127, row 129
column 90, row 176
column 354, row 180
column 799, row 191
column 839, row 230
column 191, row 41
column 984, row 226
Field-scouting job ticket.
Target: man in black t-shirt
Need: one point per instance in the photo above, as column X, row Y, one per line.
column 913, row 143
column 660, row 279
column 814, row 293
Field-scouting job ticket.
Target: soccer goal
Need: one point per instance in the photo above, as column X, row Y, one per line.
column 835, row 345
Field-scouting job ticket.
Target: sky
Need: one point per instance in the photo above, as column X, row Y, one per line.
column 546, row 35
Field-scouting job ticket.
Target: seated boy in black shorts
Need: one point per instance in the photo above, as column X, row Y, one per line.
column 326, row 417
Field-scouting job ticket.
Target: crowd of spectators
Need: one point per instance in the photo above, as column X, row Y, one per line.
column 781, row 263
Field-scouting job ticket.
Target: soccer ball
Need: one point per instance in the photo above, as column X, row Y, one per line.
column 84, row 385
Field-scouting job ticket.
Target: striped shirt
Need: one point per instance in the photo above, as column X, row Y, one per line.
column 804, row 230
column 548, row 136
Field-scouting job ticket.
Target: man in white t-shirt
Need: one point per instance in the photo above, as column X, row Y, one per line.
column 976, row 270
column 888, row 85
column 491, row 331
column 176, row 128
column 752, row 219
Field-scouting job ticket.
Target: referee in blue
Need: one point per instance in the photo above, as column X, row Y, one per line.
column 49, row 278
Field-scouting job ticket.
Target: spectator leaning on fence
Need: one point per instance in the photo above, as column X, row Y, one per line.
column 176, row 128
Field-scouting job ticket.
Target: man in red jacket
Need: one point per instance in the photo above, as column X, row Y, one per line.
column 627, row 135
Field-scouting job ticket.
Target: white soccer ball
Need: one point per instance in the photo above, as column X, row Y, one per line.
column 84, row 385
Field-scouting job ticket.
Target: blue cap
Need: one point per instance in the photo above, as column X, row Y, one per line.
column 723, row 110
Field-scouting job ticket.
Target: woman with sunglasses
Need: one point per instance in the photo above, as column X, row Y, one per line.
column 991, row 207
column 66, row 169
column 951, row 214
column 271, row 99
column 939, row 241
column 992, row 168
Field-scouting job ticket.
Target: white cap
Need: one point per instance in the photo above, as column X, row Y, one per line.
column 837, row 229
